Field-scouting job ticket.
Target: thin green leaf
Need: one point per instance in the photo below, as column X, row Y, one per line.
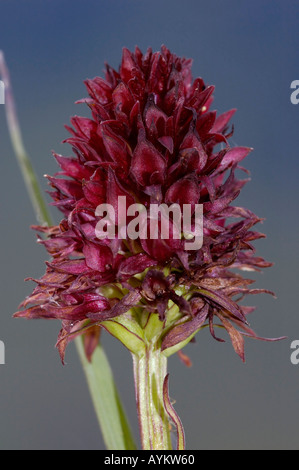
column 28, row 173
column 115, row 428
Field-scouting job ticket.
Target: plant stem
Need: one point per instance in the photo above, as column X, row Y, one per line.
column 150, row 370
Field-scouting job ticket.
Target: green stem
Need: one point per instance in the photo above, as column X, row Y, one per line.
column 109, row 411
column 150, row 370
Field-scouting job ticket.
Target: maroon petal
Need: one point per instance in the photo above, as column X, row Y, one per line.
column 115, row 190
column 99, row 90
column 148, row 165
column 70, row 313
column 233, row 156
column 222, row 121
column 75, row 266
column 185, row 359
column 70, row 188
column 122, row 306
column 122, row 99
column 184, row 191
column 192, row 141
column 91, row 340
column 185, row 330
column 62, row 341
column 129, row 68
column 84, row 127
column 219, row 204
column 154, row 285
column 205, row 123
column 199, row 97
column 95, row 189
column 117, row 148
column 271, row 340
column 167, row 142
column 97, row 257
column 181, row 302
column 162, row 250
column 134, row 265
column 208, row 182
column 154, row 118
column 223, row 302
column 235, row 336
column 73, row 167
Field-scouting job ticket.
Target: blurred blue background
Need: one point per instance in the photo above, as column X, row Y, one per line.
column 249, row 51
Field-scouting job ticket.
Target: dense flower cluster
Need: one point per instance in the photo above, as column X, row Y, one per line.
column 152, row 138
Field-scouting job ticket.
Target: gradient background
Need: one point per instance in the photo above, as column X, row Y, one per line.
column 249, row 50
